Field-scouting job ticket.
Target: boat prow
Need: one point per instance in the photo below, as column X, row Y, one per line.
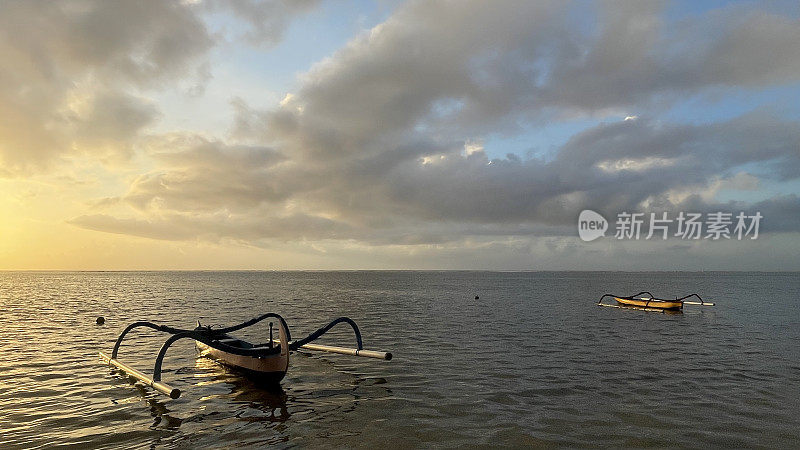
column 267, row 369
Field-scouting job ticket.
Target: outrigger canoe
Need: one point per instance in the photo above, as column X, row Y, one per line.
column 270, row 367
column 646, row 300
column 265, row 363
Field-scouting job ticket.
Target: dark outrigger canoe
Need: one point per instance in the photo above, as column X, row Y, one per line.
column 647, row 301
column 266, row 363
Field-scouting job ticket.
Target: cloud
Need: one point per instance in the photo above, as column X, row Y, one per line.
column 68, row 71
column 394, row 198
column 637, row 58
column 381, row 142
column 463, row 71
column 74, row 74
column 207, row 176
column 215, row 227
column 140, row 42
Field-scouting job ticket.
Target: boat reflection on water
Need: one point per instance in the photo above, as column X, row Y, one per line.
column 161, row 415
column 639, row 308
column 229, row 393
column 158, row 409
column 268, row 398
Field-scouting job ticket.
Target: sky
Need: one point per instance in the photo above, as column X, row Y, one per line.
column 325, row 135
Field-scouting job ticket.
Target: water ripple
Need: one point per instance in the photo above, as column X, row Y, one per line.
column 532, row 363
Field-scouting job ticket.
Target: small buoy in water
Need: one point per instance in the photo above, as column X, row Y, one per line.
column 477, row 298
column 100, row 320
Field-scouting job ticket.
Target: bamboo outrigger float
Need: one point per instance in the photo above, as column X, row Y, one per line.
column 266, row 362
column 647, row 301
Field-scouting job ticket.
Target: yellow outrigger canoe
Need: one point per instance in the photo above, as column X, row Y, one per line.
column 650, row 303
column 647, row 301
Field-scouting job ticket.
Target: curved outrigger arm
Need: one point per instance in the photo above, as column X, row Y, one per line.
column 630, row 297
column 253, row 322
column 600, row 302
column 155, row 381
column 702, row 303
column 162, row 328
column 306, row 342
column 317, row 334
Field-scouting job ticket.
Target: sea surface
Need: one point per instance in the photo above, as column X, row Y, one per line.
column 532, row 362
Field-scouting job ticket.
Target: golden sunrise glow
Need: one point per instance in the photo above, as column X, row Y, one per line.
column 219, row 135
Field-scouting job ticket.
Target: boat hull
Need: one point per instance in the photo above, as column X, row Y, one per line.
column 656, row 304
column 269, row 369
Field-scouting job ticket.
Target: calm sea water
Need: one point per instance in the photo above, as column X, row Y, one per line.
column 532, row 362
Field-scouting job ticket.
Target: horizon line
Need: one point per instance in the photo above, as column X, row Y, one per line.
column 395, row 270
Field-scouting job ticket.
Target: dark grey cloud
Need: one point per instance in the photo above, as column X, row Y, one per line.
column 639, row 59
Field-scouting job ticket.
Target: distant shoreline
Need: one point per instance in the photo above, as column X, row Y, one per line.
column 379, row 270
